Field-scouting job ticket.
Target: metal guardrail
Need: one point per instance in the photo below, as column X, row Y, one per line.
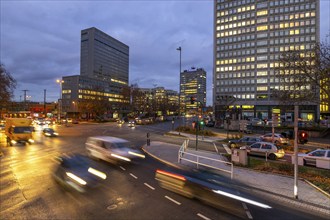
column 182, row 149
column 198, row 157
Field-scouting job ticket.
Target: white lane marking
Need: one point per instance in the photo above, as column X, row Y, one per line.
column 249, row 215
column 244, row 206
column 169, row 198
column 149, row 186
column 203, row 217
column 133, row 175
column 122, row 168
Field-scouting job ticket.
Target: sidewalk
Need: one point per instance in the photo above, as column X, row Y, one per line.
column 275, row 187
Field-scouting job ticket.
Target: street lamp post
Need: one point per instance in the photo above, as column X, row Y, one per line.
column 179, row 49
column 60, row 101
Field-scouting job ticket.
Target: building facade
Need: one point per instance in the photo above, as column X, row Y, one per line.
column 193, row 87
column 156, row 101
column 103, row 79
column 249, row 38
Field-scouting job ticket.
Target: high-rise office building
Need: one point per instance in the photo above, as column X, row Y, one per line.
column 249, row 38
column 104, row 65
column 193, row 86
column 103, row 57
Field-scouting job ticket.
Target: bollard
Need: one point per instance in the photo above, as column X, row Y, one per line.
column 148, row 139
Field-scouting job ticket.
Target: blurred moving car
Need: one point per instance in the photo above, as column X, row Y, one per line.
column 131, row 124
column 69, row 120
column 278, row 138
column 120, row 121
column 112, row 149
column 75, row 121
column 311, row 157
column 264, row 149
column 247, row 140
column 256, row 122
column 49, row 132
column 197, row 184
column 78, row 172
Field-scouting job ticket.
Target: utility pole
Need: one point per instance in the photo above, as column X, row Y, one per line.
column 45, row 111
column 25, row 90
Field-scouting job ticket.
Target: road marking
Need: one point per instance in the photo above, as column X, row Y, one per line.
column 249, row 215
column 244, row 206
column 169, row 198
column 203, row 217
column 133, row 175
column 149, row 186
column 122, row 168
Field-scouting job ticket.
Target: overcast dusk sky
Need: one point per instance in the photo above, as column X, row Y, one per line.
column 40, row 40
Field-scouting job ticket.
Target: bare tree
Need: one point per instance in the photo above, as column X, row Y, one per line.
column 304, row 77
column 7, row 86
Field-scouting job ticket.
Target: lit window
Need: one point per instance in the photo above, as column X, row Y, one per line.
column 263, row 12
column 262, row 28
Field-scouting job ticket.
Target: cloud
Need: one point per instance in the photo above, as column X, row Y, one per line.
column 40, row 40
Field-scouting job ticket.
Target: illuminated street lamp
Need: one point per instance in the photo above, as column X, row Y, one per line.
column 179, row 49
column 60, row 100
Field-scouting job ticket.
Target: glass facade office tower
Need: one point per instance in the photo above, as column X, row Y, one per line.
column 104, row 66
column 249, row 37
column 192, row 85
column 103, row 57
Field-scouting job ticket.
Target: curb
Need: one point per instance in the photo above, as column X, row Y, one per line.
column 159, row 159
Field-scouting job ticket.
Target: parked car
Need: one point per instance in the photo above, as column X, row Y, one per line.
column 49, row 132
column 310, row 158
column 78, row 172
column 247, row 140
column 278, row 138
column 112, row 149
column 262, row 148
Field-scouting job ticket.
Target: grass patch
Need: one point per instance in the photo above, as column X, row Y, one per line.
column 319, row 177
column 189, row 130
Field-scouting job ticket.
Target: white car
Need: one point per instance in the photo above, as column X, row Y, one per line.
column 112, row 149
column 270, row 150
column 318, row 158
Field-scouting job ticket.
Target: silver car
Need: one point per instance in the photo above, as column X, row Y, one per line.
column 266, row 149
column 278, row 138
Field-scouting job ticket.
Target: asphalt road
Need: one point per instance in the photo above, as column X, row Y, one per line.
column 130, row 191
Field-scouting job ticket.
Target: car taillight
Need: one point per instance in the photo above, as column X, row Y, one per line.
column 171, row 175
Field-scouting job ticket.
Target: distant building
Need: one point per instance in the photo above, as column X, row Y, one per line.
column 193, row 86
column 104, row 65
column 249, row 37
column 155, row 101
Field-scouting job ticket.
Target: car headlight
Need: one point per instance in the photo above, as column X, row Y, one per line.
column 31, row 140
column 136, row 154
column 76, row 178
column 97, row 173
column 121, row 157
column 13, row 141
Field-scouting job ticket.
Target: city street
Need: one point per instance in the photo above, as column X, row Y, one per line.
column 129, row 192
